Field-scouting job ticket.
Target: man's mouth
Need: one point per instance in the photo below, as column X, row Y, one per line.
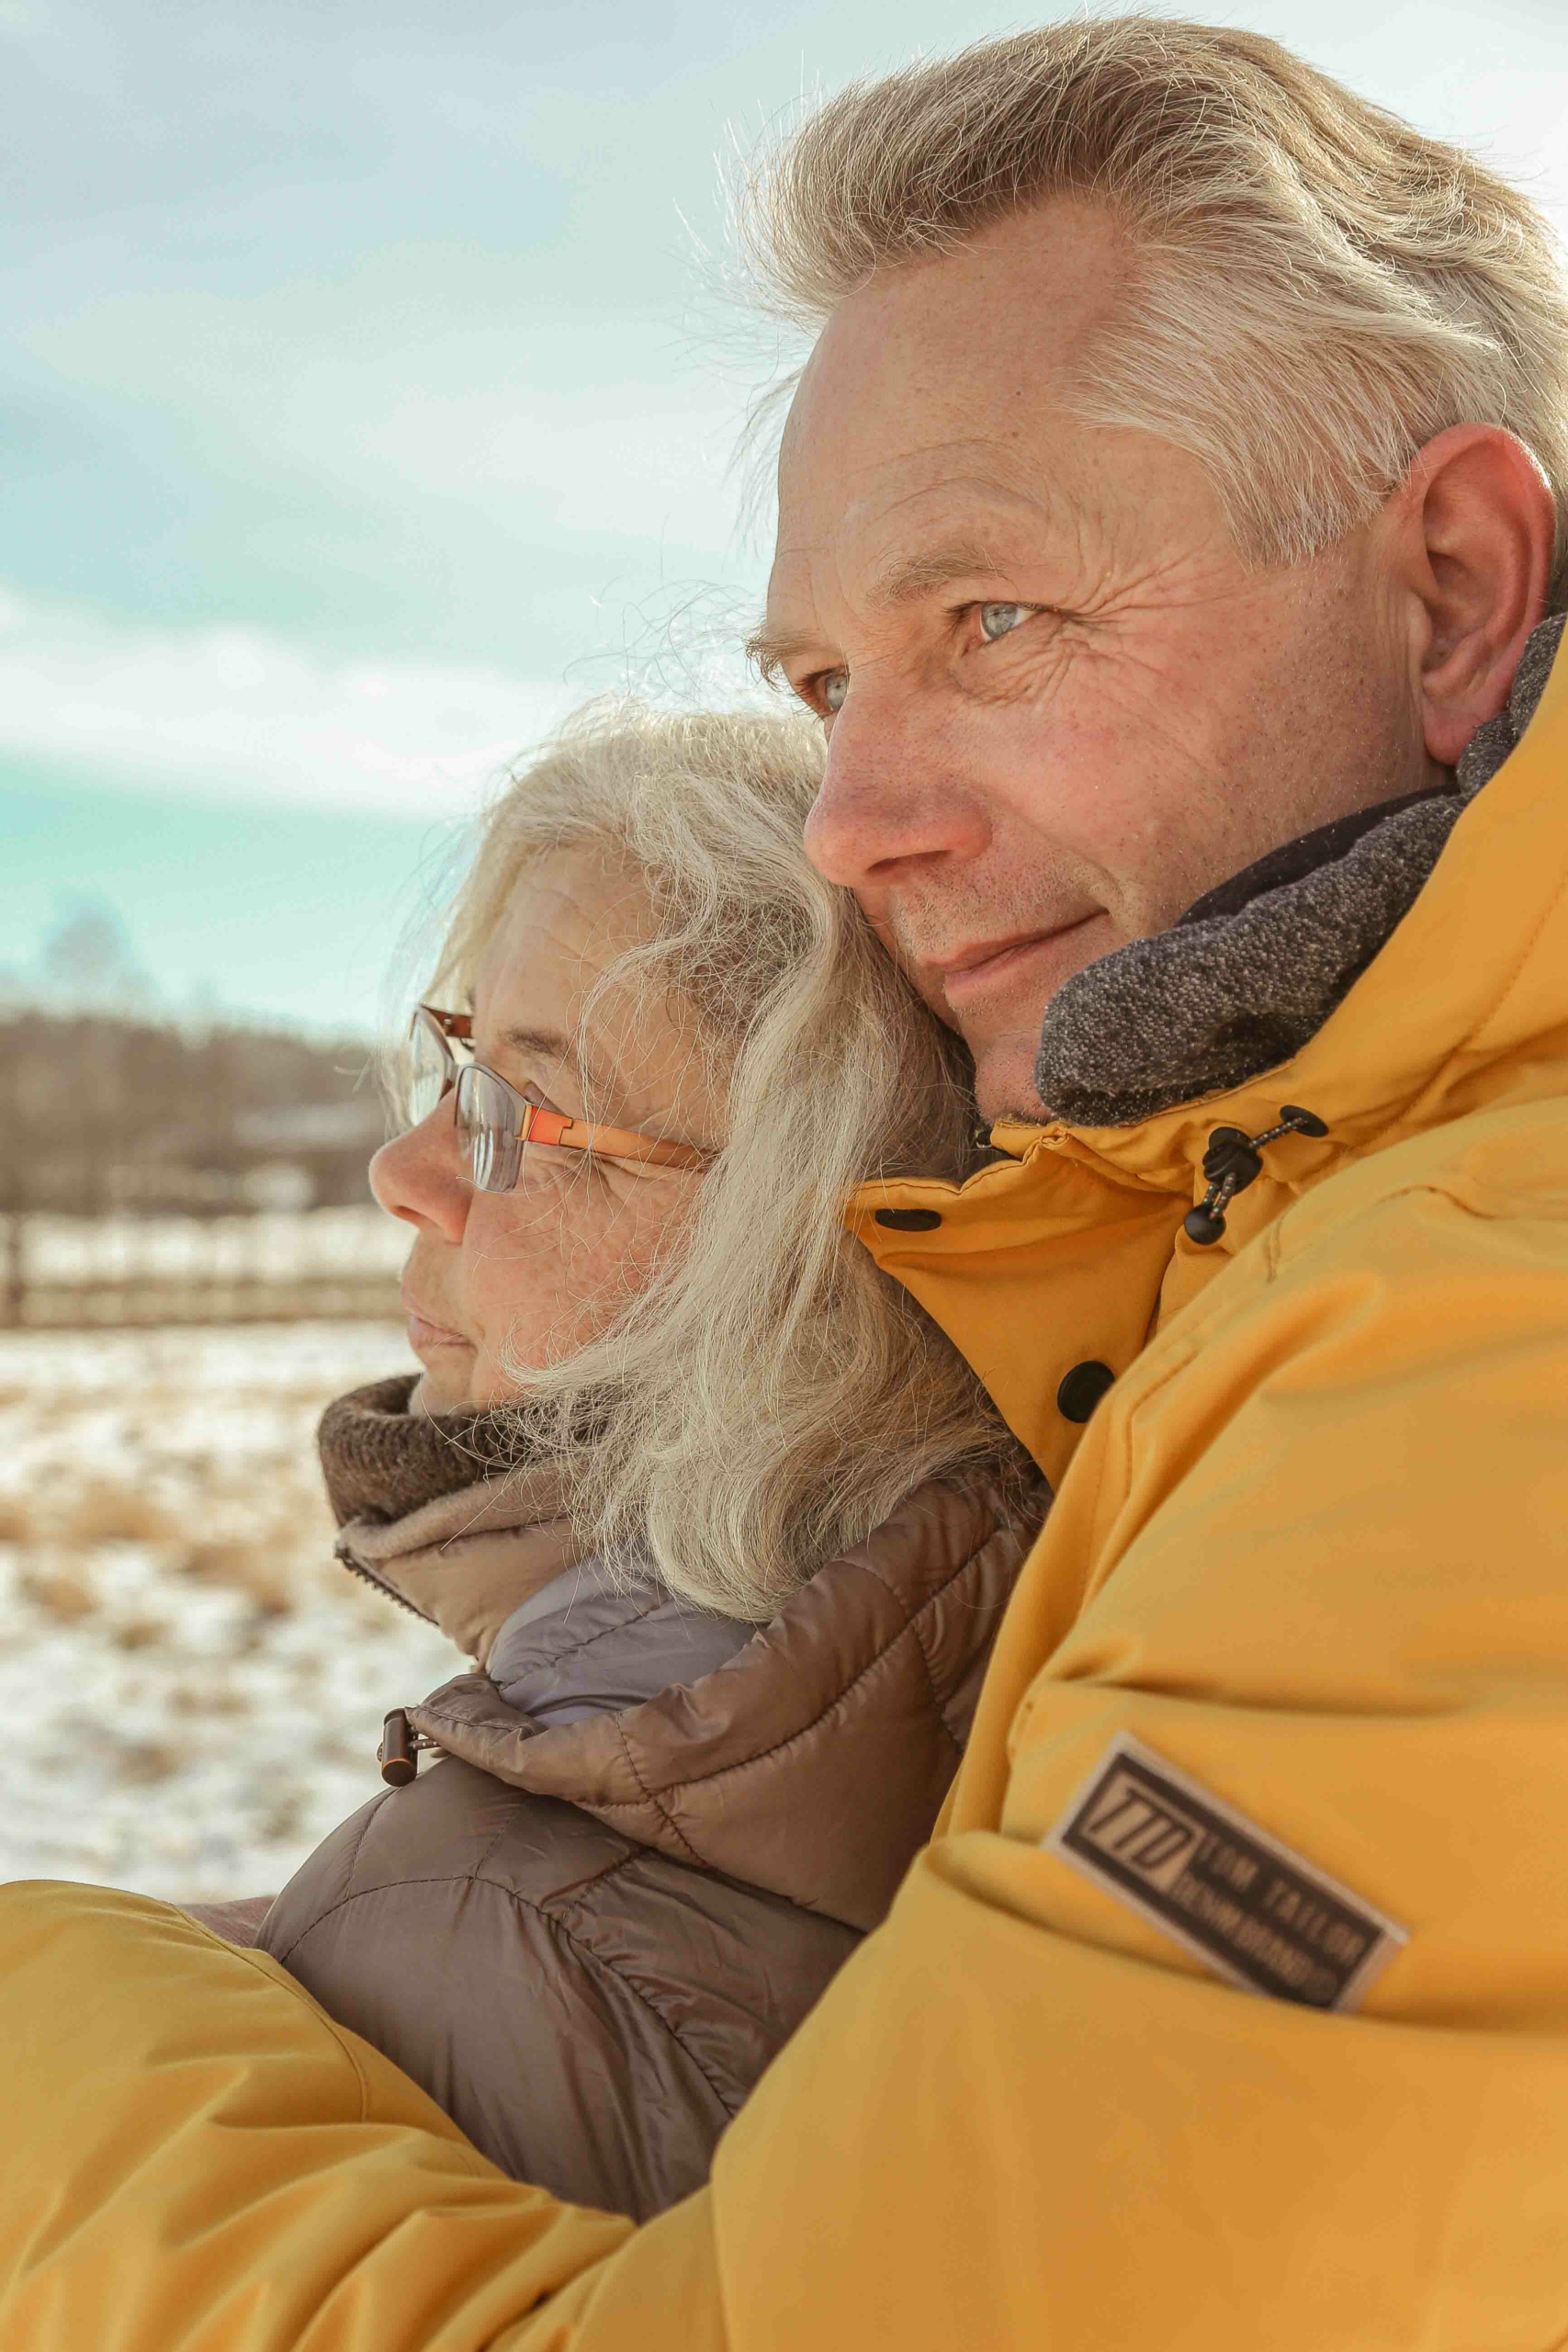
column 972, row 972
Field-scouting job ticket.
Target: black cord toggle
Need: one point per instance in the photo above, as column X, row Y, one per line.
column 1233, row 1161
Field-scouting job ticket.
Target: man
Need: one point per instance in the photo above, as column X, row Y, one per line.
column 1170, row 518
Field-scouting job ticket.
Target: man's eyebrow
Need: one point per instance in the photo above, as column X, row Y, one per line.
column 769, row 648
column 914, row 576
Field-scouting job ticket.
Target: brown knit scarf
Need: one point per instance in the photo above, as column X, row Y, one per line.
column 381, row 1461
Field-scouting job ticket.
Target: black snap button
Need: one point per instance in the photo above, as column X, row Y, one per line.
column 909, row 1220
column 1082, row 1389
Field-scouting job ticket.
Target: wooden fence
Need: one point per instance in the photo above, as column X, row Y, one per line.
column 60, row 1273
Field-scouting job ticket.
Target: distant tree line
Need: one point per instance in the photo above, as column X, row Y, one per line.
column 102, row 1115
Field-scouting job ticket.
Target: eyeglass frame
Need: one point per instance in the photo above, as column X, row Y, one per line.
column 535, row 1124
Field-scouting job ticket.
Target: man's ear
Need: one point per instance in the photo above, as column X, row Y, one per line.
column 1476, row 529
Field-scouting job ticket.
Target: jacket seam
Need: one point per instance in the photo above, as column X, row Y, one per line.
column 649, row 1797
column 914, row 1627
column 758, row 1755
column 1093, row 1583
column 1273, row 1253
column 472, row 2160
column 582, row 1951
column 372, row 1809
column 575, row 1649
column 1437, row 1188
column 592, row 1886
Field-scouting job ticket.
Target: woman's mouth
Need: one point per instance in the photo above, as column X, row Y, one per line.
column 425, row 1333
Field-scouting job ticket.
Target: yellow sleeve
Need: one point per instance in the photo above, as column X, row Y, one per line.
column 195, row 2156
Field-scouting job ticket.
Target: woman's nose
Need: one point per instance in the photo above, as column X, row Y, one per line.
column 417, row 1176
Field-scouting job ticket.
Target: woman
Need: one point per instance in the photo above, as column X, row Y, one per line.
column 725, row 1523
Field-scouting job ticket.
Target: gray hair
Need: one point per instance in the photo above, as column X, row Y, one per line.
column 770, row 1396
column 1317, row 289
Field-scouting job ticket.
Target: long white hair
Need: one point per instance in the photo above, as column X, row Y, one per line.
column 769, row 1395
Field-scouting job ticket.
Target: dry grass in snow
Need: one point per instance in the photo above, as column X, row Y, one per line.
column 191, row 1688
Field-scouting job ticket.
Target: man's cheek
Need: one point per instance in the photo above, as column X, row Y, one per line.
column 883, row 914
column 927, row 984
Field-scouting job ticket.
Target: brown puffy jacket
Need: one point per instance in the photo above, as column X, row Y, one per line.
column 588, row 1928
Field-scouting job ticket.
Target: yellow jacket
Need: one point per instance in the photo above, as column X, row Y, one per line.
column 1311, row 1553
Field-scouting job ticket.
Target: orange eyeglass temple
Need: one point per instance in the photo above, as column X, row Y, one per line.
column 615, row 1143
column 540, row 1125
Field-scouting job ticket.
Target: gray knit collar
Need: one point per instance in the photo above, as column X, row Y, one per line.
column 1255, row 968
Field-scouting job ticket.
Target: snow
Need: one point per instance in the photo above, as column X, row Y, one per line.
column 191, row 1688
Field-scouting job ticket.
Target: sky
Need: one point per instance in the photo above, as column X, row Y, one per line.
column 367, row 398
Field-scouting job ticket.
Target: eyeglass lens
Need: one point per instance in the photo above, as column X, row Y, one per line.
column 428, row 1069
column 489, row 1115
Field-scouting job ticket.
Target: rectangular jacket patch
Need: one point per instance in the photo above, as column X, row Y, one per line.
column 1261, row 1915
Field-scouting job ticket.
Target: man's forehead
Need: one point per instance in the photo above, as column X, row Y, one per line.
column 918, row 521
column 945, row 380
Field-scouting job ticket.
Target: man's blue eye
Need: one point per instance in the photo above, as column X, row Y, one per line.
column 997, row 620
column 835, row 687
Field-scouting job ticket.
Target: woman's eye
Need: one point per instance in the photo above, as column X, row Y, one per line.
column 834, row 687
column 1000, row 620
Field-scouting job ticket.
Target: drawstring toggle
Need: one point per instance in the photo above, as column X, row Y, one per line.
column 1233, row 1161
column 399, row 1750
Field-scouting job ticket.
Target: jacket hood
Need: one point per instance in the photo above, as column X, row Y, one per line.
column 812, row 1762
column 1463, row 1005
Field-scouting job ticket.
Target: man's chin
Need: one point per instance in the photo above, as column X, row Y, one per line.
column 1004, row 1083
column 1003, row 1037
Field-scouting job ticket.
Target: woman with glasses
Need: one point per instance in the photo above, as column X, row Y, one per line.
column 723, row 1522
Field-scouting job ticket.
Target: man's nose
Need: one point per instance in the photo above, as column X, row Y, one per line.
column 890, row 801
column 417, row 1176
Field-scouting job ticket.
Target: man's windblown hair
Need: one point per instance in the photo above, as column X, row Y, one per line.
column 1316, row 289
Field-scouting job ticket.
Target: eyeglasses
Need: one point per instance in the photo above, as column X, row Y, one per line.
column 494, row 1122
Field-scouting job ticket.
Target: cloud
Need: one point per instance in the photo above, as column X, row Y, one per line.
column 228, row 714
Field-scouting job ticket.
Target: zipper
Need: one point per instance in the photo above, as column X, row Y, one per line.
column 356, row 1567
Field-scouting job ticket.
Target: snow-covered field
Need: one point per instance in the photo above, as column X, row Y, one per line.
column 191, row 1688
column 277, row 1244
